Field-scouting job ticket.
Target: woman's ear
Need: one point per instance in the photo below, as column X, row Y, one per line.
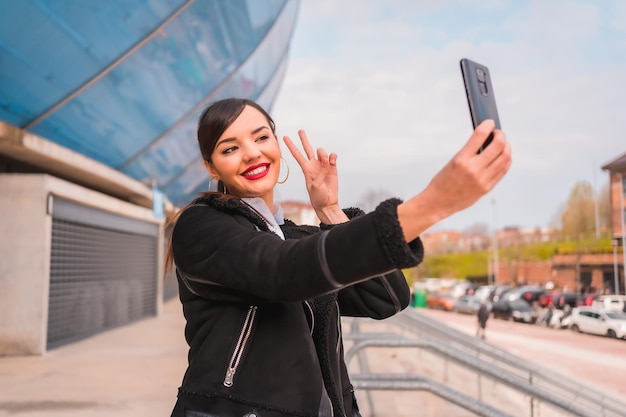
column 209, row 167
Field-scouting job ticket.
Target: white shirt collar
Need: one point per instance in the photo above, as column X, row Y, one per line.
column 273, row 220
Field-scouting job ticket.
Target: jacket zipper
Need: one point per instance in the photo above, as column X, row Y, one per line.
column 244, row 335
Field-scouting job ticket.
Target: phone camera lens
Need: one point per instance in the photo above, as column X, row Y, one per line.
column 481, row 74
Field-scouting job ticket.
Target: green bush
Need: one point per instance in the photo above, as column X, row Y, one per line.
column 469, row 264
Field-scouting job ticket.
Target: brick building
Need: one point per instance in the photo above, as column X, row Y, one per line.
column 581, row 272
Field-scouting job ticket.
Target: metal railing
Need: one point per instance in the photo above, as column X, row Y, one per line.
column 482, row 358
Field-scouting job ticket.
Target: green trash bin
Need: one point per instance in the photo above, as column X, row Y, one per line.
column 419, row 298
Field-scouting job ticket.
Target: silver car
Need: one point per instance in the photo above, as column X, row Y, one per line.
column 466, row 304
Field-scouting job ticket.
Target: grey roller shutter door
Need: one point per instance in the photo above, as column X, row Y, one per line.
column 103, row 271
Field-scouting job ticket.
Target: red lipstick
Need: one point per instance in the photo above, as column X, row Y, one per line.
column 256, row 171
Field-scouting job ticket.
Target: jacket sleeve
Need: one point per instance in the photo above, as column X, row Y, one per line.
column 217, row 250
column 379, row 297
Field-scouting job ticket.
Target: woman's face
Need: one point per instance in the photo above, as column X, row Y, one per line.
column 247, row 157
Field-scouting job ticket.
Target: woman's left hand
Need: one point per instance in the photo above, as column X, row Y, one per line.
column 320, row 175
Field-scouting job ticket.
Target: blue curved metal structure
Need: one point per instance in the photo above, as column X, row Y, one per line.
column 123, row 81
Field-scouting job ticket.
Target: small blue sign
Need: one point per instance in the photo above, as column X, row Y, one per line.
column 157, row 204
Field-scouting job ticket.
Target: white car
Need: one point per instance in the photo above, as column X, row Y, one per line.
column 599, row 321
column 484, row 291
column 610, row 302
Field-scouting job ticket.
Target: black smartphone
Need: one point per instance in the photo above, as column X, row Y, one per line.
column 480, row 96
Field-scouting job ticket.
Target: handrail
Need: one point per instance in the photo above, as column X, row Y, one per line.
column 600, row 402
column 419, row 383
column 473, row 353
column 478, row 365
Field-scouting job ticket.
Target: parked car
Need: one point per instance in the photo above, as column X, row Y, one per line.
column 546, row 299
column 515, row 309
column 484, row 292
column 467, row 304
column 585, row 299
column 565, row 298
column 440, row 300
column 429, row 284
column 528, row 293
column 463, row 288
column 498, row 292
column 598, row 321
column 610, row 302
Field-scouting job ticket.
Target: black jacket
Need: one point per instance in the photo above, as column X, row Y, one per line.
column 263, row 314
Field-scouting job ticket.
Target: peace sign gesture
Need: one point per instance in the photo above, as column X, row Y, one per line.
column 320, row 175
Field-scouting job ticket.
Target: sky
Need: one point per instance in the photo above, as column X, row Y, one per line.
column 379, row 83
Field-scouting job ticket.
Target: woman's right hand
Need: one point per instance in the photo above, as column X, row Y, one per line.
column 460, row 183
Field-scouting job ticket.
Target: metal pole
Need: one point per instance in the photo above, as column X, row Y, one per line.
column 615, row 270
column 621, row 215
column 495, row 245
column 532, row 399
column 496, row 266
column 595, row 202
column 489, row 270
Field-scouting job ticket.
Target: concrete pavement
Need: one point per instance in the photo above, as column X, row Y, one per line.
column 135, row 370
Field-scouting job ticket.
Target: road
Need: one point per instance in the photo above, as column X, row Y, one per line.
column 595, row 360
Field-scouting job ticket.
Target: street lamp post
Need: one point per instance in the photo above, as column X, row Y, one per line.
column 595, row 203
column 621, row 215
column 615, row 242
column 495, row 244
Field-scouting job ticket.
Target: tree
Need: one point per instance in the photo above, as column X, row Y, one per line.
column 372, row 198
column 555, row 219
column 579, row 218
column 479, row 236
column 604, row 206
column 478, row 228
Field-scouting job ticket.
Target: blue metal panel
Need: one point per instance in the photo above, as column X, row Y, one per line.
column 50, row 48
column 250, row 80
column 124, row 81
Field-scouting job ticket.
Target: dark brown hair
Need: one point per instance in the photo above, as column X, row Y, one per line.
column 214, row 121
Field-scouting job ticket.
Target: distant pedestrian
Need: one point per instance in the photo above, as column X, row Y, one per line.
column 483, row 316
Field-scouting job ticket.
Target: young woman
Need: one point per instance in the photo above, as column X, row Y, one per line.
column 263, row 297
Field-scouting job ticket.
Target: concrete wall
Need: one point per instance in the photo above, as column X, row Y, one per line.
column 24, row 264
column 25, row 227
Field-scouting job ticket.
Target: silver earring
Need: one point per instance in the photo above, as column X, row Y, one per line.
column 213, row 185
column 287, row 176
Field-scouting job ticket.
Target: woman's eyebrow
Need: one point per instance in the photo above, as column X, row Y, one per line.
column 225, row 140
column 258, row 129
column 255, row 131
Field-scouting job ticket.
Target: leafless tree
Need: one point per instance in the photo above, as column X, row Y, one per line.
column 604, row 206
column 578, row 218
column 372, row 198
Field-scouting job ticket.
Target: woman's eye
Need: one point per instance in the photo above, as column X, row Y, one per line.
column 262, row 138
column 229, row 150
